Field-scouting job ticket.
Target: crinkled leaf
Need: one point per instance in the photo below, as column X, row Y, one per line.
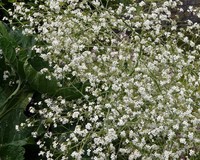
column 7, row 46
column 9, row 40
column 24, row 42
column 38, row 81
column 13, row 115
column 11, row 141
column 8, row 51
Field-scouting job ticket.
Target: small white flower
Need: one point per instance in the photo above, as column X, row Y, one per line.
column 192, row 152
column 34, row 134
column 1, row 53
column 88, row 126
column 63, row 101
column 63, row 147
column 75, row 115
column 183, row 140
column 190, row 135
column 142, row 3
column 32, row 110
column 186, row 40
column 96, row 3
column 17, row 127
column 6, row 75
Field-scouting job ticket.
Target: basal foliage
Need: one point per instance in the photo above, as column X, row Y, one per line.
column 114, row 82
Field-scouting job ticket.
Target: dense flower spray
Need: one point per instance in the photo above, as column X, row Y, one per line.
column 142, row 69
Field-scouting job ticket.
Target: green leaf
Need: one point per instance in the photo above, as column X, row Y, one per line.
column 8, row 47
column 11, row 141
column 3, row 30
column 74, row 91
column 5, row 106
column 2, row 69
column 12, row 152
column 69, row 93
column 8, row 51
column 24, row 42
column 11, row 1
column 38, row 63
column 9, row 40
column 38, row 81
column 13, row 115
column 2, row 97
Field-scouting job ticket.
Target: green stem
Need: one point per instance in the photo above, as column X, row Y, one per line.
column 4, row 110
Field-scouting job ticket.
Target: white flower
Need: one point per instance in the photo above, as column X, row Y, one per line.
column 63, row 101
column 190, row 135
column 107, row 105
column 192, row 152
column 183, row 140
column 140, row 86
column 17, row 127
column 6, row 75
column 96, row 3
column 75, row 115
column 32, row 110
column 123, row 134
column 63, row 147
column 167, row 154
column 186, row 40
column 34, row 134
column 1, row 53
column 171, row 134
column 88, row 126
column 142, row 3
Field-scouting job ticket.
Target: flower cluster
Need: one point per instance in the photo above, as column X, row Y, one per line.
column 142, row 66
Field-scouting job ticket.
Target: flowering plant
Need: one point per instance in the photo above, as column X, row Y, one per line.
column 113, row 82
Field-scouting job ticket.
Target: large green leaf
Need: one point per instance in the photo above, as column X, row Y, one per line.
column 38, row 63
column 3, row 97
column 12, row 152
column 13, row 115
column 7, row 44
column 5, row 107
column 8, row 51
column 69, row 93
column 38, row 81
column 74, row 91
column 11, row 141
column 24, row 43
column 3, row 30
column 9, row 41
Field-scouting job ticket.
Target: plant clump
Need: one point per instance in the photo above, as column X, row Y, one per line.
column 135, row 71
